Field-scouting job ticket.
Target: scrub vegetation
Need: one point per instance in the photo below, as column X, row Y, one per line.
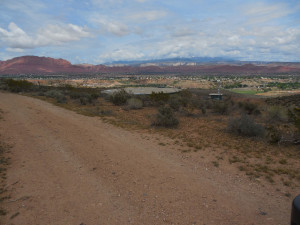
column 258, row 136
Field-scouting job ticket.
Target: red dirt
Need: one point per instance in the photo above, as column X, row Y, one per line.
column 71, row 169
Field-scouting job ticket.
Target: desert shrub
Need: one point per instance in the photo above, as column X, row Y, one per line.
column 83, row 101
column 89, row 97
column 185, row 97
column 120, row 97
column 189, row 110
column 18, row 85
column 84, row 97
column 165, row 118
column 284, row 133
column 294, row 117
column 208, row 104
column 134, row 103
column 52, row 93
column 274, row 134
column 175, row 103
column 159, row 98
column 276, row 114
column 58, row 95
column 246, row 126
column 195, row 102
column 75, row 95
column 94, row 96
column 41, row 93
column 249, row 107
column 220, row 107
column 187, row 94
column 61, row 99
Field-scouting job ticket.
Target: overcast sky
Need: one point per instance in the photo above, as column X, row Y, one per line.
column 97, row 31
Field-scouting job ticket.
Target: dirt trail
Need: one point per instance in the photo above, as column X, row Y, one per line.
column 72, row 169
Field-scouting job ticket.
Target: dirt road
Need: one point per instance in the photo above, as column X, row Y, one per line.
column 72, row 169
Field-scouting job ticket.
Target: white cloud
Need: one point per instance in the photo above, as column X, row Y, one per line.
column 16, row 38
column 114, row 27
column 127, row 53
column 19, row 50
column 63, row 33
column 237, row 43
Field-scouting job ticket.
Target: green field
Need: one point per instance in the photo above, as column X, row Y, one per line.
column 246, row 91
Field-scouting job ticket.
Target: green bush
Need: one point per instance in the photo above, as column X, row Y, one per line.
column 245, row 126
column 165, row 118
column 135, row 103
column 120, row 97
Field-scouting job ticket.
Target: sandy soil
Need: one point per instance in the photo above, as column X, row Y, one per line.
column 72, row 169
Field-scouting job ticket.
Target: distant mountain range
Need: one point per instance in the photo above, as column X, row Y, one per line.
column 197, row 60
column 47, row 65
